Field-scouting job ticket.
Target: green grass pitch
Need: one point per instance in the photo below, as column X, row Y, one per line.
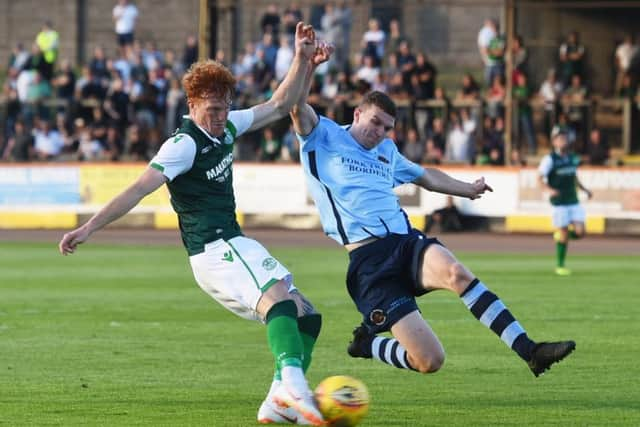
column 122, row 336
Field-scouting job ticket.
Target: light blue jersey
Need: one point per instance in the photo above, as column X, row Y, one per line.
column 352, row 186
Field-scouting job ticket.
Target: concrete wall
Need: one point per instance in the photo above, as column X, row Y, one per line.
column 445, row 29
column 164, row 21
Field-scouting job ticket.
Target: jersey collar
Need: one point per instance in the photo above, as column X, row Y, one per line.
column 216, row 141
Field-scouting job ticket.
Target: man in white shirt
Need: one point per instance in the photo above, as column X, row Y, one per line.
column 48, row 142
column 624, row 54
column 488, row 31
column 124, row 17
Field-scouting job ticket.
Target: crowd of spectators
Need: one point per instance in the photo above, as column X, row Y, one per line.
column 121, row 105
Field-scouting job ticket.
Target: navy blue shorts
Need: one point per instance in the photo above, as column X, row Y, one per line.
column 384, row 280
column 124, row 39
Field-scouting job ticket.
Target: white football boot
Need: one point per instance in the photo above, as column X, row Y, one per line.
column 304, row 405
column 272, row 413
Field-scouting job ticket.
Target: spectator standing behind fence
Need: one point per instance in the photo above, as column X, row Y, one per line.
column 284, row 57
column 98, row 64
column 48, row 142
column 48, row 41
column 522, row 96
column 190, row 53
column 427, row 74
column 291, row 16
column 624, row 54
column 571, row 54
column 519, row 56
column 414, row 148
column 495, row 97
column 563, row 125
column 64, row 82
column 492, row 148
column 19, row 146
column 488, row 31
column 331, row 24
column 396, row 36
column 270, row 146
column 270, row 21
column 346, row 20
column 458, row 148
column 268, row 46
column 626, row 90
column 290, row 146
column 368, row 72
column 406, row 62
column 550, row 92
column 373, row 41
column 496, row 51
column 574, row 97
column 469, row 89
column 125, row 15
column 598, row 151
column 36, row 62
column 18, row 57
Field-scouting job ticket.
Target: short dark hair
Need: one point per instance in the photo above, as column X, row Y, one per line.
column 380, row 100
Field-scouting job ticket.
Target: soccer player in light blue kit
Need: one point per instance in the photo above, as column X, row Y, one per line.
column 351, row 172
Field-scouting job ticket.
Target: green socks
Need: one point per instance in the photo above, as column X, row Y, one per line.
column 283, row 335
column 561, row 253
column 309, row 327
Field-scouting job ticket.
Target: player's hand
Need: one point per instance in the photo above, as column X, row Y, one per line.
column 554, row 192
column 322, row 53
column 589, row 194
column 72, row 239
column 479, row 187
column 305, row 40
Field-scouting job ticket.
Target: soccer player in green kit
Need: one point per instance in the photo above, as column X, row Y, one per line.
column 238, row 272
column 558, row 175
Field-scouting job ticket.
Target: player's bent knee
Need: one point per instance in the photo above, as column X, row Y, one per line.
column 459, row 277
column 429, row 364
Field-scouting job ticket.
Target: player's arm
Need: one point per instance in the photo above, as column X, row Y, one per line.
column 147, row 183
column 438, row 181
column 544, row 183
column 543, row 172
column 289, row 91
column 583, row 188
column 302, row 115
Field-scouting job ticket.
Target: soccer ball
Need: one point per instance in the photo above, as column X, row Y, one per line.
column 342, row 400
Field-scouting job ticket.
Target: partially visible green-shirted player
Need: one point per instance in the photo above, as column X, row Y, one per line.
column 196, row 164
column 558, row 174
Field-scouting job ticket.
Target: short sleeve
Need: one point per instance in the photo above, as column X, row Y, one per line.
column 405, row 171
column 175, row 156
column 545, row 165
column 316, row 136
column 241, row 119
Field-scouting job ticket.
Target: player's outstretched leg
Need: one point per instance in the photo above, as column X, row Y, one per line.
column 545, row 354
column 490, row 311
column 288, row 348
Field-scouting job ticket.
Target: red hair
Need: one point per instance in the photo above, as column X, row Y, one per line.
column 208, row 77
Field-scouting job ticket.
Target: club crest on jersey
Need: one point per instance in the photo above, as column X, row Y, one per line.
column 269, row 264
column 206, row 149
column 228, row 138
